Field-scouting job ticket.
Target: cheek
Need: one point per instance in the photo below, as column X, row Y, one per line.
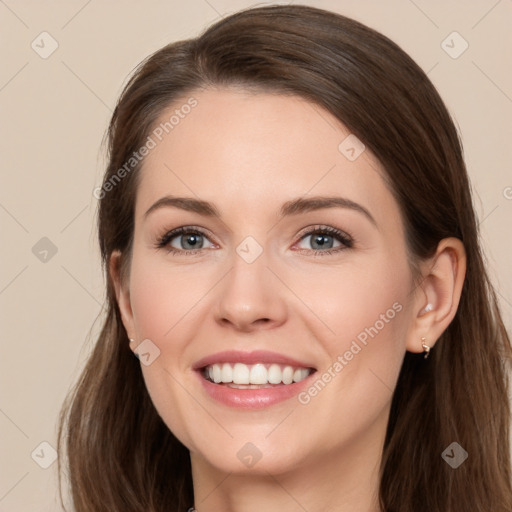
column 163, row 298
column 356, row 300
column 367, row 315
column 163, row 304
column 364, row 320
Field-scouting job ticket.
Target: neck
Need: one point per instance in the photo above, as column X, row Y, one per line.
column 343, row 480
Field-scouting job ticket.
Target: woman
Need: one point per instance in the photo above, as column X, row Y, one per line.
column 292, row 256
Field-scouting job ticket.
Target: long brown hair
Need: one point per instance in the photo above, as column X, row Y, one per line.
column 121, row 456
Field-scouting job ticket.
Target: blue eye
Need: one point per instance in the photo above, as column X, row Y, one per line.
column 190, row 240
column 323, row 240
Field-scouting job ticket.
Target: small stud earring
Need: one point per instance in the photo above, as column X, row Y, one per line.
column 428, row 308
column 426, row 348
column 131, row 341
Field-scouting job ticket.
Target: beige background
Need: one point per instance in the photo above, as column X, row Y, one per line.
column 55, row 111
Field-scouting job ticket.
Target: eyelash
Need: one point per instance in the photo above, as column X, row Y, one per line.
column 164, row 240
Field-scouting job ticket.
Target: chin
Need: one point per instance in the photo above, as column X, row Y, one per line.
column 251, row 458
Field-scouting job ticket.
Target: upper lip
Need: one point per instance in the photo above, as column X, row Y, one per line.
column 254, row 357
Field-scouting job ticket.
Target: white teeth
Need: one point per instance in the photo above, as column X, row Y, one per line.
column 254, row 375
column 241, row 374
column 300, row 374
column 274, row 374
column 258, row 374
column 287, row 375
column 216, row 373
column 227, row 373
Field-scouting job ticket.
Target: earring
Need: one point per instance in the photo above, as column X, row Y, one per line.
column 426, row 348
column 428, row 308
column 131, row 341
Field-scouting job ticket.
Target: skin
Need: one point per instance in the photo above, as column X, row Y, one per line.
column 249, row 154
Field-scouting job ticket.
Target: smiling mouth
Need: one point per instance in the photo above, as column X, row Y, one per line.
column 254, row 376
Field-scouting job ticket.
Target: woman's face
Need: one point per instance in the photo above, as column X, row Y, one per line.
column 295, row 271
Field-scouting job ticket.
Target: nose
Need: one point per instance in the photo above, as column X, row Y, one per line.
column 251, row 297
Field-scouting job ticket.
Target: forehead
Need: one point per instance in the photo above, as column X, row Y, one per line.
column 256, row 151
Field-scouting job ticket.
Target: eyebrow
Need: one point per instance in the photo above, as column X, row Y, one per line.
column 293, row 207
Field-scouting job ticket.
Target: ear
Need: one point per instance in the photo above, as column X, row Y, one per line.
column 122, row 293
column 437, row 297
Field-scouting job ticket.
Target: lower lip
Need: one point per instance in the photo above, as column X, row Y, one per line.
column 252, row 398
